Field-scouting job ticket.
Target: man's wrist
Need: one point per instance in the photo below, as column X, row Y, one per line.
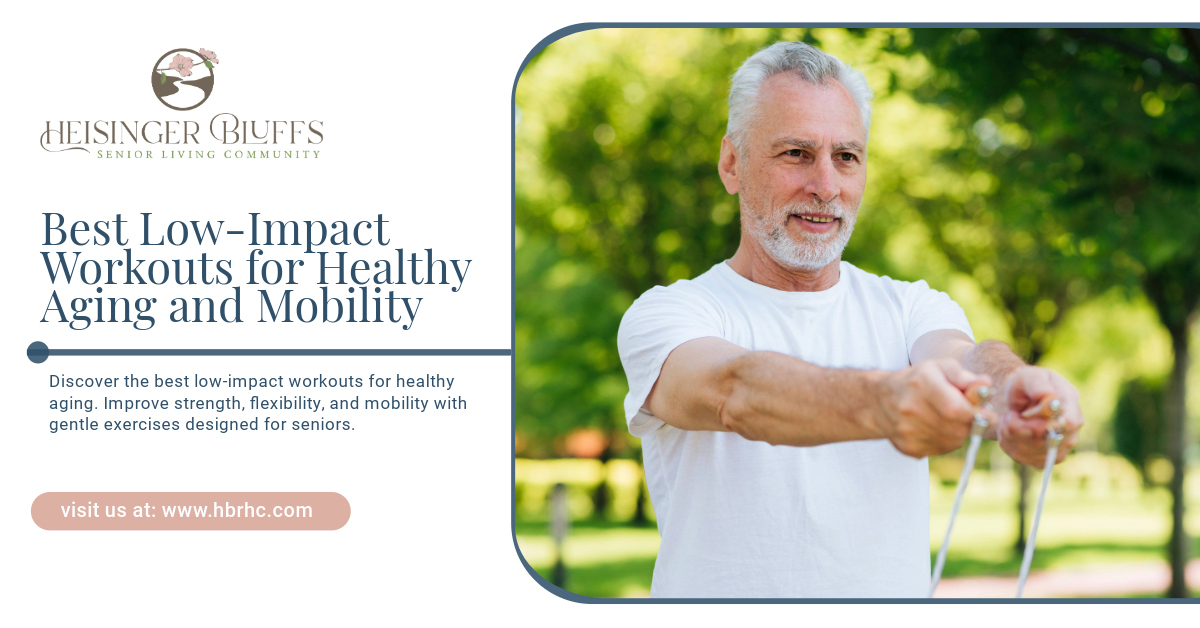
column 873, row 416
column 998, row 361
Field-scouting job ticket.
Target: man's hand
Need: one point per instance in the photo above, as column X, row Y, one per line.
column 1024, row 438
column 924, row 409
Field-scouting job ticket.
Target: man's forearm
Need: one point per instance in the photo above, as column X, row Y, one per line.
column 785, row 401
column 712, row 384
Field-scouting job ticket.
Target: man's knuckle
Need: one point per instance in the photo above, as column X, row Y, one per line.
column 904, row 445
column 948, row 409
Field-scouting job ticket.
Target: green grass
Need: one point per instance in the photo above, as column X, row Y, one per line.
column 604, row 559
column 1083, row 525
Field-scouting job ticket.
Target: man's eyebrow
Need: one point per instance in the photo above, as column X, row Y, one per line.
column 814, row 145
column 798, row 143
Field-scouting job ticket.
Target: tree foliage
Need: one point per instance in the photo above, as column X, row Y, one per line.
column 1094, row 135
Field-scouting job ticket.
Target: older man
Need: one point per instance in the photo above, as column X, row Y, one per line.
column 858, row 377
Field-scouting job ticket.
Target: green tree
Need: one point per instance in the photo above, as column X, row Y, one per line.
column 1105, row 164
column 616, row 192
column 1137, row 423
column 1010, row 238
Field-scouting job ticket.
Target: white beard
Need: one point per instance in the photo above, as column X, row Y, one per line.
column 816, row 250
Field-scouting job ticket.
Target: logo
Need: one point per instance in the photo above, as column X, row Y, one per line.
column 183, row 78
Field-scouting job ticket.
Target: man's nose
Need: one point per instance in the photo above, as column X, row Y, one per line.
column 823, row 184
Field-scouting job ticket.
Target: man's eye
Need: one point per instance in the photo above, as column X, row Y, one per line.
column 847, row 156
column 795, row 152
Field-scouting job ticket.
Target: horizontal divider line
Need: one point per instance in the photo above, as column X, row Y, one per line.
column 279, row 352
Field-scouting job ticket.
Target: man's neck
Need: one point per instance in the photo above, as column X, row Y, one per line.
column 754, row 264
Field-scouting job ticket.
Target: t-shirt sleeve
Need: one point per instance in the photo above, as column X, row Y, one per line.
column 658, row 322
column 931, row 310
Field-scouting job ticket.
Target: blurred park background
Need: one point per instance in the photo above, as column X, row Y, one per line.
column 1047, row 179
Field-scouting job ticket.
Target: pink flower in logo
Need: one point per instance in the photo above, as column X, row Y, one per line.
column 210, row 55
column 182, row 64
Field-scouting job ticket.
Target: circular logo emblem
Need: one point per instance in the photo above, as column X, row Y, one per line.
column 183, row 78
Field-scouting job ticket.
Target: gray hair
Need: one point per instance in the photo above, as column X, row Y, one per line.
column 803, row 61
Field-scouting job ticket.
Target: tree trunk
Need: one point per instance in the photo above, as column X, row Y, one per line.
column 639, row 513
column 1176, row 444
column 600, row 495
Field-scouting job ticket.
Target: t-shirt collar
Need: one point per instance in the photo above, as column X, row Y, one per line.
column 820, row 296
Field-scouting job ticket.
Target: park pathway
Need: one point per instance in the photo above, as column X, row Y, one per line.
column 1101, row 581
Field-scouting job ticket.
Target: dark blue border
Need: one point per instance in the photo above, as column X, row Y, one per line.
column 586, row 26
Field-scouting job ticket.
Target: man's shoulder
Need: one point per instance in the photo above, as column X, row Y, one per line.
column 922, row 308
column 684, row 302
column 699, row 289
column 868, row 282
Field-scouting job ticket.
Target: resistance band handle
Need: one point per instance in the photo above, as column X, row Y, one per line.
column 1049, row 408
column 979, row 395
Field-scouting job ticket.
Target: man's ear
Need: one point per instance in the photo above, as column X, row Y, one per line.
column 728, row 165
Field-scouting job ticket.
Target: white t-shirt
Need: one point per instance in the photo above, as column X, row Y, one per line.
column 740, row 518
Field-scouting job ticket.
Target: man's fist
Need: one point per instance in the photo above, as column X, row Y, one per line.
column 925, row 411
column 1024, row 438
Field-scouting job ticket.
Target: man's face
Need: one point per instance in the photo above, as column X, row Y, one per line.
column 801, row 175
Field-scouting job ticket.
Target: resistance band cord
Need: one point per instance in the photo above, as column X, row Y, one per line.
column 979, row 426
column 1053, row 437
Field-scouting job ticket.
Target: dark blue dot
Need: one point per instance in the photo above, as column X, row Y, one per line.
column 37, row 352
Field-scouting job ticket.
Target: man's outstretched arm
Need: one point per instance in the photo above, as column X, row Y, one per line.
column 1021, row 387
column 712, row 384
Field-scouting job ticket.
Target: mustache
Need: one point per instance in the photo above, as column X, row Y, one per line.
column 831, row 208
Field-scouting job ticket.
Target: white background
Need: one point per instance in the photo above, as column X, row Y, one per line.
column 415, row 101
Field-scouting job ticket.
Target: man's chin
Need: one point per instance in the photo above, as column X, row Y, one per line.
column 803, row 260
column 800, row 239
column 809, row 266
